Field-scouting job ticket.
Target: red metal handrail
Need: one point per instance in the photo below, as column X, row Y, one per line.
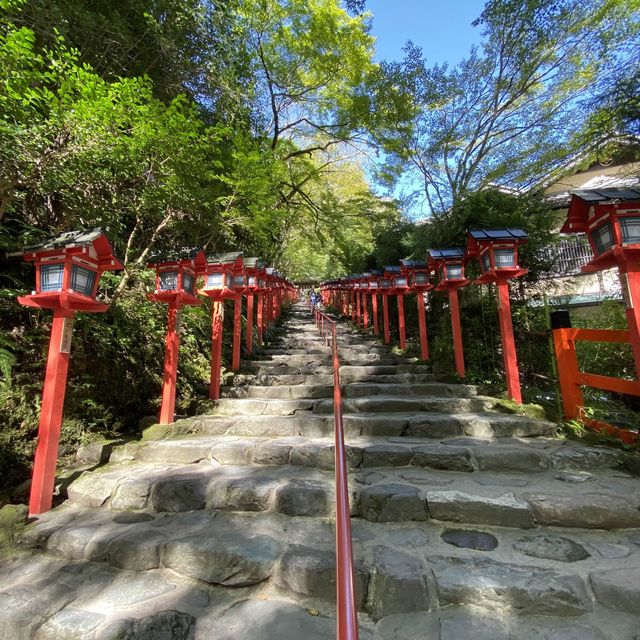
column 347, row 617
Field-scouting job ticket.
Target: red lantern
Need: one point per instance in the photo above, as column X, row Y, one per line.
column 448, row 264
column 68, row 269
column 497, row 252
column 418, row 277
column 175, row 285
column 611, row 220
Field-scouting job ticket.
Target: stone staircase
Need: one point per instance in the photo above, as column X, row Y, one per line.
column 468, row 522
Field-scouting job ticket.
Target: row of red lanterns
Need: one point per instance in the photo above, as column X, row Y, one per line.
column 68, row 270
column 497, row 253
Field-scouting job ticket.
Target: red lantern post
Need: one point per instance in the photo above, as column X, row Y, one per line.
column 374, row 285
column 418, row 274
column 218, row 285
column 386, row 282
column 449, row 267
column 399, row 286
column 611, row 220
column 68, row 269
column 497, row 252
column 175, row 286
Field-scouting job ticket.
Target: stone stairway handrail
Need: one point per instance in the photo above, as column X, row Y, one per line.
column 347, row 617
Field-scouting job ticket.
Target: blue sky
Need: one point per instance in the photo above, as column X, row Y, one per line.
column 441, row 27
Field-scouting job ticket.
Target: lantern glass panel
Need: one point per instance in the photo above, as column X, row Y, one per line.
column 630, row 229
column 82, row 280
column 238, row 281
column 373, row 284
column 262, row 284
column 187, row 282
column 603, row 237
column 485, row 263
column 251, row 281
column 385, row 284
column 401, row 282
column 168, row 280
column 421, row 278
column 454, row 271
column 216, row 280
column 51, row 277
column 504, row 258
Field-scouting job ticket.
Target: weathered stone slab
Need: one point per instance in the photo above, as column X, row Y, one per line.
column 386, row 455
column 70, row 624
column 467, row 627
column 131, row 493
column 240, row 494
column 269, row 619
column 505, row 458
column 586, row 458
column 610, row 551
column 493, row 585
column 232, row 559
column 618, row 589
column 312, row 572
column 322, row 455
column 456, row 506
column 272, row 453
column 93, row 489
column 551, row 547
column 303, row 498
column 468, row 539
column 587, row 511
column 176, row 493
column 391, row 503
column 188, row 451
column 397, row 584
column 580, row 632
column 440, row 456
column 233, row 451
column 174, row 625
column 25, row 607
column 137, row 549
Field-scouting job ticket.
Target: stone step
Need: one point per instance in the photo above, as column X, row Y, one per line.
column 347, row 371
column 416, row 425
column 287, row 392
column 257, row 406
column 534, row 455
column 399, row 569
column 607, row 500
column 402, row 404
column 348, row 377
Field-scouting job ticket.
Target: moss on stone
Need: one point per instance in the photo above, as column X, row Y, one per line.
column 13, row 518
column 530, row 410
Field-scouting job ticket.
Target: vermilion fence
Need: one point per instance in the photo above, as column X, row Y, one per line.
column 347, row 619
column 572, row 379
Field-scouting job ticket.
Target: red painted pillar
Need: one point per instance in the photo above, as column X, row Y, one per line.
column 422, row 323
column 374, row 305
column 385, row 317
column 358, row 309
column 55, row 386
column 170, row 373
column 249, row 335
column 365, row 311
column 508, row 343
column 630, row 282
column 237, row 332
column 353, row 306
column 260, row 318
column 458, row 351
column 401, row 328
column 217, row 323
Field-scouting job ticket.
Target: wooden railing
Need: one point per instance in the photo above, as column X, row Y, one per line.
column 571, row 378
column 347, row 617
